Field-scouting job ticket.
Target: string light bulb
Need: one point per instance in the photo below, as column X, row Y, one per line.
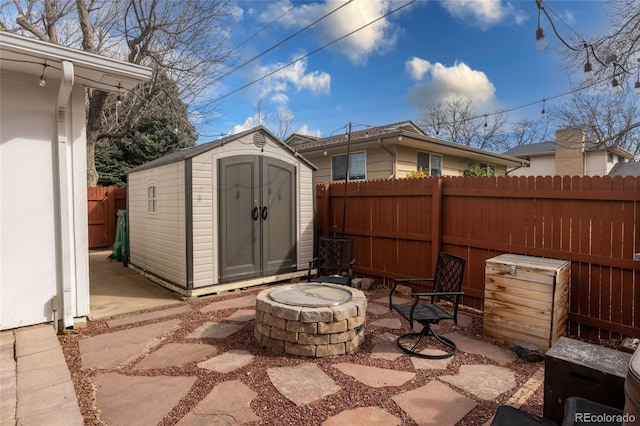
column 119, row 97
column 543, row 112
column 617, row 89
column 636, row 87
column 588, row 69
column 541, row 43
column 43, row 78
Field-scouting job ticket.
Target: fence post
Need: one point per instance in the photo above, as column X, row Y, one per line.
column 326, row 209
column 436, row 219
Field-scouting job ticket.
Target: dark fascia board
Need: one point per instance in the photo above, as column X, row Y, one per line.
column 193, row 151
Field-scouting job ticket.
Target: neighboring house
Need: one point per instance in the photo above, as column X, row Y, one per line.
column 44, row 264
column 392, row 151
column 571, row 154
column 227, row 214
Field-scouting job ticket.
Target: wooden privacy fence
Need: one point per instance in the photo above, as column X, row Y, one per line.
column 398, row 227
column 103, row 202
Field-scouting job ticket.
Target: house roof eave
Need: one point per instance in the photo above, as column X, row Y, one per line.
column 26, row 55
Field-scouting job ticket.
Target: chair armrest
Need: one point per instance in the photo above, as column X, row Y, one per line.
column 440, row 293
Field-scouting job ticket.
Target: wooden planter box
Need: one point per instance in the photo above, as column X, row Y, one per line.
column 526, row 299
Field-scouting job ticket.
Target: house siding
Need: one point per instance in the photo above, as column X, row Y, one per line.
column 161, row 253
column 539, row 166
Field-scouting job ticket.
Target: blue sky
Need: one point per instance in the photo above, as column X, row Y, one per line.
column 427, row 52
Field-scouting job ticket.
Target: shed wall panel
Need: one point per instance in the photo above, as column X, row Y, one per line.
column 161, row 253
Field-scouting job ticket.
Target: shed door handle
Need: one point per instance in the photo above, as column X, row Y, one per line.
column 265, row 213
column 256, row 213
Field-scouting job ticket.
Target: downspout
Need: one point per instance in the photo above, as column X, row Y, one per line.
column 393, row 159
column 65, row 189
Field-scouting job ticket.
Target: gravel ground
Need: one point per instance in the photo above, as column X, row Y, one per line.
column 272, row 407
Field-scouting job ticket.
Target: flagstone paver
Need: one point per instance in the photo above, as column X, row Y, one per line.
column 393, row 323
column 480, row 347
column 242, row 315
column 363, row 416
column 484, row 381
column 227, row 404
column 148, row 316
column 176, row 355
column 374, row 376
column 120, row 347
column 377, row 309
column 431, row 364
column 215, row 330
column 228, row 361
column 302, row 384
column 434, row 404
column 385, row 347
column 138, row 400
column 238, row 302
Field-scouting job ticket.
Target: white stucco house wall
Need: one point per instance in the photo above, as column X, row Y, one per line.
column 44, row 261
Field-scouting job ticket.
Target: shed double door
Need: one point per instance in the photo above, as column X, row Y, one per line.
column 257, row 217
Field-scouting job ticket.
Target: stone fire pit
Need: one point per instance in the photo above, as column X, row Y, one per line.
column 315, row 320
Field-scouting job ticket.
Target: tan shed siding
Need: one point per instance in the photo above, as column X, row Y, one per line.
column 306, row 199
column 204, row 231
column 157, row 240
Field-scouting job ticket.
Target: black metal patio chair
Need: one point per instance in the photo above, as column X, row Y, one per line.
column 446, row 285
column 334, row 261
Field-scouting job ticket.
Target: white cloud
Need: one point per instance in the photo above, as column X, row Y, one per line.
column 304, row 130
column 294, row 76
column 251, row 122
column 457, row 81
column 375, row 38
column 483, row 13
column 236, row 12
column 280, row 98
column 417, row 67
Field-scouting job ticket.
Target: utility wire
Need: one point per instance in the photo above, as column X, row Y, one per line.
column 307, row 55
column 280, row 43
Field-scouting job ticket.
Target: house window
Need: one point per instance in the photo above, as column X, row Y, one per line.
column 490, row 168
column 621, row 159
column 610, row 157
column 431, row 163
column 152, row 199
column 357, row 166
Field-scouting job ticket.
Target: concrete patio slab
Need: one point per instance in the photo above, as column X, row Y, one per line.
column 480, row 347
column 363, row 416
column 484, row 381
column 228, row 361
column 373, row 376
column 118, row 397
column 121, row 347
column 435, row 404
column 302, row 384
column 237, row 302
column 148, row 316
column 227, row 404
column 176, row 355
column 242, row 315
column 116, row 290
column 215, row 330
column 385, row 347
column 7, row 379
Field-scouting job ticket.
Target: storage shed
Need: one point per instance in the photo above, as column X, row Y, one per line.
column 231, row 213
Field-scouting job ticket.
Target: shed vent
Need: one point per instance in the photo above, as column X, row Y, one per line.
column 259, row 139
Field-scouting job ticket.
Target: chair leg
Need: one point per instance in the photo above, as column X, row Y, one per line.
column 426, row 332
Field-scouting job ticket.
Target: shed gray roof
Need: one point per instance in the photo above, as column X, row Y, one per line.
column 631, row 168
column 193, row 151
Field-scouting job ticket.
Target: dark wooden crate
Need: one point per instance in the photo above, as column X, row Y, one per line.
column 576, row 368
